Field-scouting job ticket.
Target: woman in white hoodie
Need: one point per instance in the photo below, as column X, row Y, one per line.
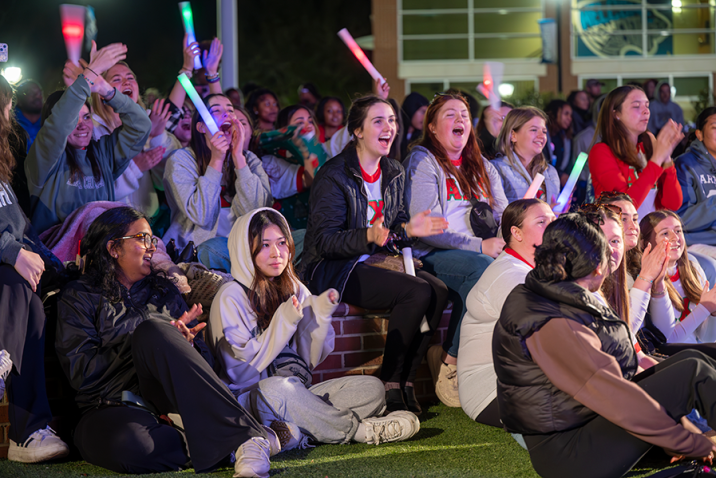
column 268, row 333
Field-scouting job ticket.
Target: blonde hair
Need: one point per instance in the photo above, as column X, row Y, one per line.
column 515, row 120
column 105, row 111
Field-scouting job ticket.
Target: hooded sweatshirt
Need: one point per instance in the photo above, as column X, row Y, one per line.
column 411, row 104
column 696, row 171
column 245, row 353
column 662, row 112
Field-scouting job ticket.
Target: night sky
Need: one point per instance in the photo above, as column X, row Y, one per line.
column 282, row 42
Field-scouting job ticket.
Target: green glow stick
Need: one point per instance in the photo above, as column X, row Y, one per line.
column 198, row 103
column 571, row 183
column 188, row 19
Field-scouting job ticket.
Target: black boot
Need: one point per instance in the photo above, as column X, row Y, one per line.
column 394, row 400
column 411, row 400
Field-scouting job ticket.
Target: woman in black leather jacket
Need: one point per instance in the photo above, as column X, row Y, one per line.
column 124, row 328
column 356, row 209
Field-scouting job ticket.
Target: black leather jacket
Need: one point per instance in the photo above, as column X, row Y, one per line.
column 93, row 336
column 336, row 235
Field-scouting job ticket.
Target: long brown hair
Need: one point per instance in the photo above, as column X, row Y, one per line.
column 633, row 256
column 472, row 175
column 515, row 120
column 202, row 151
column 615, row 135
column 7, row 133
column 687, row 273
column 103, row 110
column 267, row 294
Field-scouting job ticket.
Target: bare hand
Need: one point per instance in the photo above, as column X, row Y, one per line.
column 654, row 262
column 238, row 134
column 191, row 314
column 333, row 296
column 381, row 91
column 30, row 266
column 378, row 233
column 159, row 117
column 296, row 304
column 708, row 298
column 188, row 333
column 191, row 51
column 71, row 71
column 213, row 56
column 146, row 160
column 422, row 225
column 669, row 137
column 219, row 145
column 107, row 57
column 493, row 246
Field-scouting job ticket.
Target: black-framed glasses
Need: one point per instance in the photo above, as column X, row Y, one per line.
column 148, row 239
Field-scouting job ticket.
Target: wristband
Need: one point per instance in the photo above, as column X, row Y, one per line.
column 112, row 95
column 644, row 279
column 657, row 296
column 213, row 79
column 88, row 80
column 189, row 73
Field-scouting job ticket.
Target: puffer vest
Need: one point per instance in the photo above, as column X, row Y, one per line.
column 529, row 403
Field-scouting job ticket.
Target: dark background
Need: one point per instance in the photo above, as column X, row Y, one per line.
column 282, row 43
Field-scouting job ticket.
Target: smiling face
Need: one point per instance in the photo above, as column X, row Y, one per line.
column 564, row 118
column 274, row 253
column 378, row 130
column 247, row 128
column 183, row 129
column 613, row 230
column 451, row 126
column 302, row 118
column 530, row 138
column 132, row 257
column 630, row 223
column 707, row 135
column 333, row 114
column 81, row 136
column 122, row 78
column 634, row 112
column 670, row 229
column 222, row 110
column 267, row 108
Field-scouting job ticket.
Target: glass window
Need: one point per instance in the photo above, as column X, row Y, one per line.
column 691, row 86
column 432, row 4
column 605, row 45
column 427, row 24
column 507, row 23
column 449, row 49
column 489, row 48
column 507, row 4
column 681, row 44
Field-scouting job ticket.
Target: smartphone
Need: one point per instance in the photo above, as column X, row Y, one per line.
column 3, row 52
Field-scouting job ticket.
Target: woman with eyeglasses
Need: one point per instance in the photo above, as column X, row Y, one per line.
column 446, row 174
column 630, row 159
column 132, row 349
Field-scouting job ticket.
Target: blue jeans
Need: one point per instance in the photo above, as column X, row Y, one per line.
column 460, row 271
column 214, row 253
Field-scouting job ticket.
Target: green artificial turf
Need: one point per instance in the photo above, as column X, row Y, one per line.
column 448, row 444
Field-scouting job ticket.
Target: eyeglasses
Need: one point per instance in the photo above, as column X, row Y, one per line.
column 592, row 210
column 149, row 240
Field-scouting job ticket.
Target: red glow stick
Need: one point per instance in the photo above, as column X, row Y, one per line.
column 73, row 29
column 360, row 55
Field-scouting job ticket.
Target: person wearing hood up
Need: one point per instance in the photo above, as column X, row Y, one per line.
column 696, row 171
column 663, row 109
column 269, row 333
column 488, row 128
column 413, row 111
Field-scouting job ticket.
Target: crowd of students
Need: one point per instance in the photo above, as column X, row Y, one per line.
column 309, row 205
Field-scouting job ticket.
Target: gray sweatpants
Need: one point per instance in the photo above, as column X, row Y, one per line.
column 329, row 412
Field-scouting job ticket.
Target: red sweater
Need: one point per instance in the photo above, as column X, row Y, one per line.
column 612, row 174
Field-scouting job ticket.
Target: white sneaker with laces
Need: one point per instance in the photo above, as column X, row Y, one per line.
column 42, row 445
column 396, row 426
column 252, row 458
column 5, row 368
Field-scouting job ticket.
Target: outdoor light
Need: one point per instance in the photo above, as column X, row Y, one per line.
column 506, row 89
column 676, row 6
column 12, row 74
column 673, row 91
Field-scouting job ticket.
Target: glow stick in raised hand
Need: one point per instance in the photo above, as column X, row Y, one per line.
column 198, row 104
column 360, row 55
column 187, row 18
column 490, row 86
column 73, row 29
column 564, row 196
column 534, row 187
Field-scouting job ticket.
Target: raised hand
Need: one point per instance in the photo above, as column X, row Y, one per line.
column 382, row 91
column 30, row 266
column 71, row 71
column 146, row 160
column 159, row 117
column 422, row 225
column 378, row 233
column 213, row 56
column 190, row 51
column 669, row 136
column 107, row 57
column 654, row 263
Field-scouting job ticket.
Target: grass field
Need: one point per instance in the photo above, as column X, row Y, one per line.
column 449, row 445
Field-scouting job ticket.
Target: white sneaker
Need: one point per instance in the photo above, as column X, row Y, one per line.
column 274, row 442
column 5, row 368
column 396, row 426
column 252, row 458
column 290, row 435
column 42, row 445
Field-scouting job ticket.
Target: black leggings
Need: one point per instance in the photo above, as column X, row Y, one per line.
column 174, row 378
column 409, row 299
column 602, row 449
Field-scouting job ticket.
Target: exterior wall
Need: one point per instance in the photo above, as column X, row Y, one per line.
column 385, row 32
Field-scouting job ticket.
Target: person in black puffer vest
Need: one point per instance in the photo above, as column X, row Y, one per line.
column 567, row 371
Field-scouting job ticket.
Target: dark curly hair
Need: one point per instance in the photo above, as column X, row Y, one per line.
column 572, row 248
column 100, row 267
column 321, row 106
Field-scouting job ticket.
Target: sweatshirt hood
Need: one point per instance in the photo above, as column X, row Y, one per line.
column 242, row 265
column 657, row 96
column 698, row 149
column 412, row 103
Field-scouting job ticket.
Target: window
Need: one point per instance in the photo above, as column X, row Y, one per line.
column 469, row 29
column 646, row 28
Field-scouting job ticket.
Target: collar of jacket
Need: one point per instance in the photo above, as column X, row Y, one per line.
column 388, row 170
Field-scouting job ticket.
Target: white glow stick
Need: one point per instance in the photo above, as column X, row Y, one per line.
column 73, row 30
column 360, row 55
column 490, row 86
column 534, row 187
column 410, row 269
column 571, row 183
column 198, row 103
